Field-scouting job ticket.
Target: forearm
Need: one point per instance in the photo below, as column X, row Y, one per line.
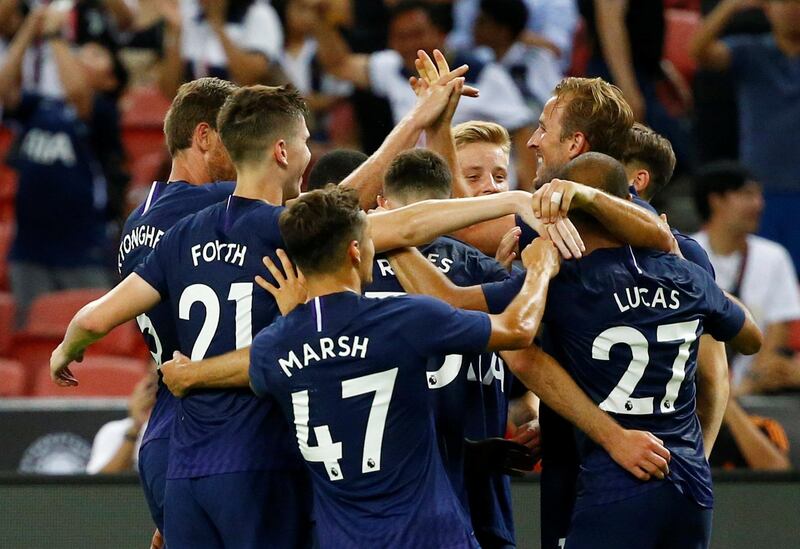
column 335, row 55
column 545, row 377
column 486, row 236
column 422, row 222
column 76, row 88
column 367, row 179
column 710, row 30
column 11, row 70
column 629, row 223
column 615, row 41
column 228, row 371
column 82, row 332
column 523, row 409
column 418, row 276
column 441, row 141
column 713, row 389
column 171, row 67
column 523, row 316
column 757, row 450
column 247, row 68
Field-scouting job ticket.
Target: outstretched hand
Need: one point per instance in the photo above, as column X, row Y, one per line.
column 438, row 90
column 291, row 289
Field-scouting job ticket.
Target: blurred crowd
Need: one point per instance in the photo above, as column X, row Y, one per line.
column 720, row 79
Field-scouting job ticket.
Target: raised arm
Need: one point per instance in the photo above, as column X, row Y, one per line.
column 11, row 69
column 622, row 218
column 335, row 55
column 76, row 88
column 638, row 452
column 130, row 298
column 518, row 324
column 706, row 47
column 713, row 389
column 246, row 67
column 170, row 70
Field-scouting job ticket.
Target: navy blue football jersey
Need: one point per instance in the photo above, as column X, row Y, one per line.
column 204, row 268
column 350, row 373
column 166, row 204
column 629, row 337
column 470, row 392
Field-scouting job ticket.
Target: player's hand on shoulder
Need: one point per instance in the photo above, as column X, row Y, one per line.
column 555, row 199
column 59, row 367
column 291, row 284
column 176, row 374
column 542, row 254
column 641, row 454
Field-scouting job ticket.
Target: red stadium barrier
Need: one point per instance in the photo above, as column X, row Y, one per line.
column 8, row 311
column 13, row 375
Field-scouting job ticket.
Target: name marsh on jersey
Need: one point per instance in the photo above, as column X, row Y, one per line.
column 326, row 348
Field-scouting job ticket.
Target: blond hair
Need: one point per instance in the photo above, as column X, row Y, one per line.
column 478, row 131
column 598, row 110
column 653, row 151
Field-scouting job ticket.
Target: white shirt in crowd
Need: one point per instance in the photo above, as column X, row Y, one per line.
column 299, row 71
column 499, row 100
column 259, row 31
column 769, row 285
column 108, row 440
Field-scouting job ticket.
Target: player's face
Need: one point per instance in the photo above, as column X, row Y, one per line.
column 485, row 167
column 412, row 31
column 552, row 153
column 299, row 156
column 367, row 248
column 218, row 162
column 784, row 16
column 741, row 209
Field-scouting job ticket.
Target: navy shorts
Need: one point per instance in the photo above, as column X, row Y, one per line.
column 153, row 474
column 661, row 518
column 244, row 510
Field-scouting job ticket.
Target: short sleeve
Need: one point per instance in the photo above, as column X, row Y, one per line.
column 382, row 65
column 260, row 351
column 499, row 294
column 694, row 252
column 153, row 269
column 262, row 31
column 784, row 303
column 107, row 442
column 501, row 99
column 724, row 318
column 435, row 328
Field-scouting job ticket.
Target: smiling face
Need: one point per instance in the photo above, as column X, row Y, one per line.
column 298, row 155
column 552, row 152
column 484, row 166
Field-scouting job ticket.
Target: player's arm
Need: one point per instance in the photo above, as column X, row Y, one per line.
column 417, row 275
column 11, row 69
column 705, row 47
column 488, row 235
column 749, row 339
column 518, row 324
column 335, row 56
column 757, row 449
column 130, row 298
column 713, row 388
column 626, row 221
column 638, row 452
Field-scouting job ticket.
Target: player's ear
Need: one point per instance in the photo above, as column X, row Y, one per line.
column 354, row 252
column 202, row 136
column 280, row 153
column 641, row 180
column 578, row 144
column 382, row 202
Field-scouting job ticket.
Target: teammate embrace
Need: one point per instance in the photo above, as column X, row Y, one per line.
column 313, row 414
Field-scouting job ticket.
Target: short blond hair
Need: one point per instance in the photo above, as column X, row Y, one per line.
column 479, row 131
column 598, row 110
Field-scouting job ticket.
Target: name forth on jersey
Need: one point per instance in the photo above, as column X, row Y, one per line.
column 327, row 348
column 636, row 296
column 219, row 251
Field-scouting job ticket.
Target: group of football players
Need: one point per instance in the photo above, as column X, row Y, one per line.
column 318, row 405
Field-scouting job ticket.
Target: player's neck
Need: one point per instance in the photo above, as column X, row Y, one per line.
column 259, row 183
column 594, row 236
column 187, row 165
column 724, row 241
column 333, row 283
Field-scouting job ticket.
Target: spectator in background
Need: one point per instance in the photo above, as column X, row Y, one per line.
column 333, row 167
column 551, row 25
column 535, row 70
column 301, row 65
column 236, row 40
column 766, row 72
column 414, row 26
column 750, row 442
column 61, row 232
column 757, row 271
column 116, row 445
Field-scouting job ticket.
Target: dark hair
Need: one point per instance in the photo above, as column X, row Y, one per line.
column 655, row 153
column 440, row 15
column 254, row 115
column 334, row 167
column 319, row 226
column 598, row 170
column 717, row 178
column 512, row 14
column 418, row 173
column 196, row 102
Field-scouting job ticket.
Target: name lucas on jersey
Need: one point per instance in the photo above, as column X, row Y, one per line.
column 344, row 346
column 635, row 297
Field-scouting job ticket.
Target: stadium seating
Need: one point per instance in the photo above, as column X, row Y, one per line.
column 13, row 375
column 6, row 235
column 99, row 375
column 7, row 311
column 681, row 26
column 143, row 111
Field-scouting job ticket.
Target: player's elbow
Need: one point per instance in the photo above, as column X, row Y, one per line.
column 521, row 335
column 90, row 320
column 749, row 340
